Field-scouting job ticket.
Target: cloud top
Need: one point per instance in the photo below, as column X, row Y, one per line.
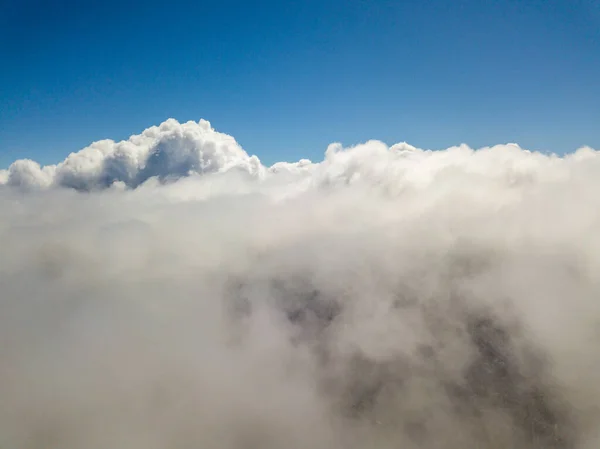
column 173, row 151
column 169, row 151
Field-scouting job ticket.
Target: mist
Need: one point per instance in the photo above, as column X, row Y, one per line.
column 170, row 291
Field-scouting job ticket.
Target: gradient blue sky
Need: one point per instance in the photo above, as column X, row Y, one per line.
column 288, row 77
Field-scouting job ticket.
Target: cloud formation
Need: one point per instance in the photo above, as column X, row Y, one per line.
column 385, row 297
column 169, row 151
column 173, row 151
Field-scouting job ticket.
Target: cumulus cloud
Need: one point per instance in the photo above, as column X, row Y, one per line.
column 385, row 297
column 169, row 151
column 29, row 174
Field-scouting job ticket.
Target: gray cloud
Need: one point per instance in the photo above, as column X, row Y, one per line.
column 386, row 297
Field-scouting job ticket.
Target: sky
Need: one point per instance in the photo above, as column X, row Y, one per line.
column 288, row 78
column 171, row 290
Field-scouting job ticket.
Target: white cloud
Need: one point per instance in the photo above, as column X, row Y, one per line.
column 173, row 151
column 28, row 174
column 169, row 151
column 387, row 297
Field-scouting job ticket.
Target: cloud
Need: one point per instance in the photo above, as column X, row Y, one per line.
column 169, row 151
column 28, row 174
column 385, row 296
column 174, row 151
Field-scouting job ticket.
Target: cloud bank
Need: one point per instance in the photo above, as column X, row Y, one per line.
column 171, row 291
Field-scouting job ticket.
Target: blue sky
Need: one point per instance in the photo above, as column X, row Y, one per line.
column 287, row 78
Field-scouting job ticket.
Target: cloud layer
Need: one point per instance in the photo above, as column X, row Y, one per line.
column 383, row 297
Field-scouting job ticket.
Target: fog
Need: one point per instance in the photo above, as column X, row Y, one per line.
column 170, row 291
